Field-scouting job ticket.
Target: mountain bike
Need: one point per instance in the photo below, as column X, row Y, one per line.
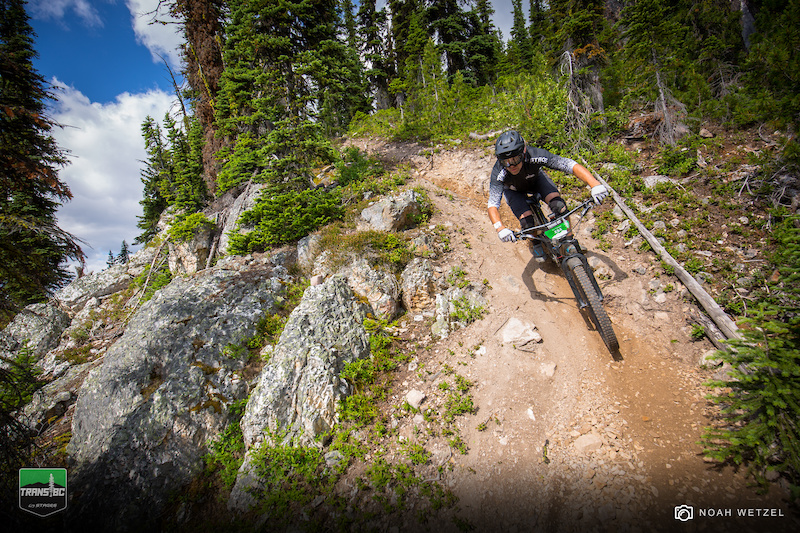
column 559, row 243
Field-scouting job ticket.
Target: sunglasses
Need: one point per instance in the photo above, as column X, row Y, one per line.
column 511, row 161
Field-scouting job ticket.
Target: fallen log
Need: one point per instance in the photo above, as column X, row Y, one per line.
column 727, row 326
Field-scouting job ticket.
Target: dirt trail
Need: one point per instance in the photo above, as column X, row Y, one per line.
column 567, row 437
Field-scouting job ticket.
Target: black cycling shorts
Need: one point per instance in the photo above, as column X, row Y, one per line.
column 517, row 199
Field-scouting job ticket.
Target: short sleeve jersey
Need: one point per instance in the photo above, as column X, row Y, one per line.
column 535, row 159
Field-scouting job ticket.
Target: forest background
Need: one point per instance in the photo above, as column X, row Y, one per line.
column 271, row 86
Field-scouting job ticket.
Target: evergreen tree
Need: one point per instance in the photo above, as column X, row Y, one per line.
column 449, row 24
column 519, row 49
column 349, row 24
column 157, row 167
column 124, row 253
column 288, row 82
column 772, row 67
column 33, row 249
column 173, row 173
column 411, row 75
column 483, row 48
column 202, row 53
column 575, row 24
column 651, row 30
column 110, row 261
column 537, row 15
column 375, row 51
column 407, row 21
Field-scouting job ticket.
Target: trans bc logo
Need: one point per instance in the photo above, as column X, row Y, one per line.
column 43, row 491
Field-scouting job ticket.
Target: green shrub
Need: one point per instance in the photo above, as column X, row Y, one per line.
column 226, row 454
column 378, row 247
column 186, row 227
column 761, row 400
column 356, row 167
column 19, row 379
column 285, row 217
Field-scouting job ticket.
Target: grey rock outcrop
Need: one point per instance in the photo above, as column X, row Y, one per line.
column 105, row 282
column 227, row 220
column 308, row 248
column 144, row 415
column 391, row 214
column 190, row 256
column 299, row 388
column 380, row 288
column 418, row 284
column 38, row 327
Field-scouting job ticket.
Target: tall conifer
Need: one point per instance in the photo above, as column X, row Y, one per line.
column 33, row 249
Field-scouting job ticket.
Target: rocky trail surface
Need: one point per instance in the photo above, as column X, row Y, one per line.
column 567, row 436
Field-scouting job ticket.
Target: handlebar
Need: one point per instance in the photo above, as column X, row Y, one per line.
column 527, row 233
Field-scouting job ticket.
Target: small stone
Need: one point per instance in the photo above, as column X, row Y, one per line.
column 606, row 513
column 588, row 443
column 415, row 398
column 548, row 369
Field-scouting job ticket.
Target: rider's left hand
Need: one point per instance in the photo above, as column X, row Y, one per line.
column 599, row 192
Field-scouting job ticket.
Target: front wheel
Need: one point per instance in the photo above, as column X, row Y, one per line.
column 596, row 310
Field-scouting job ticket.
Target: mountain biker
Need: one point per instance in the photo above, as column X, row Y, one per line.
column 519, row 170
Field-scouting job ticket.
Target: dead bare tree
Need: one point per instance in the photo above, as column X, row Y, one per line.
column 583, row 97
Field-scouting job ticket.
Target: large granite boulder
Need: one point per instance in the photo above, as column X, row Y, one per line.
column 394, row 213
column 300, row 388
column 143, row 417
column 37, row 328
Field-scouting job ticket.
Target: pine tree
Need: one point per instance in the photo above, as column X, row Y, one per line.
column 349, row 24
column 483, row 48
column 651, row 31
column 537, row 15
column 288, row 81
column 519, row 49
column 124, row 253
column 761, row 400
column 375, row 51
column 449, row 23
column 33, row 249
column 157, row 167
column 202, row 53
column 405, row 43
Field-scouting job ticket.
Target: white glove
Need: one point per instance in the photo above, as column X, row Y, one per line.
column 599, row 192
column 506, row 235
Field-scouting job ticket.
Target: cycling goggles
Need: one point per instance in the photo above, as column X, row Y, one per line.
column 511, row 161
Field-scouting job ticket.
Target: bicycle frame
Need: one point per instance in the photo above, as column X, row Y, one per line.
column 558, row 240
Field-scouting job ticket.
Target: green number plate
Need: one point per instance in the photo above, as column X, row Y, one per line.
column 556, row 232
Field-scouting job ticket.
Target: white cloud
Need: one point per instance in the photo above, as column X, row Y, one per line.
column 161, row 39
column 57, row 9
column 106, row 149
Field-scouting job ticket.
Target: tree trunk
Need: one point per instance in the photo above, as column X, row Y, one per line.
column 203, row 55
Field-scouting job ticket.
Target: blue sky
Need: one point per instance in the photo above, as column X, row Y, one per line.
column 106, row 62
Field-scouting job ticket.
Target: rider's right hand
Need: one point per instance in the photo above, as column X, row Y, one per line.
column 506, row 235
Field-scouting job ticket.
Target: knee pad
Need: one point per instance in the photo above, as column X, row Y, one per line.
column 557, row 206
column 527, row 222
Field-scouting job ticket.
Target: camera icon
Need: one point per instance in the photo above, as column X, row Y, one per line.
column 684, row 513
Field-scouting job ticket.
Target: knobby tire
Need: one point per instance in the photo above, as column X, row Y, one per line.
column 595, row 305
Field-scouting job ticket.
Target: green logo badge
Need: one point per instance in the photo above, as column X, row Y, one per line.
column 43, row 491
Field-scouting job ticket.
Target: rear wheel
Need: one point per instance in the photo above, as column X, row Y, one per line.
column 595, row 305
